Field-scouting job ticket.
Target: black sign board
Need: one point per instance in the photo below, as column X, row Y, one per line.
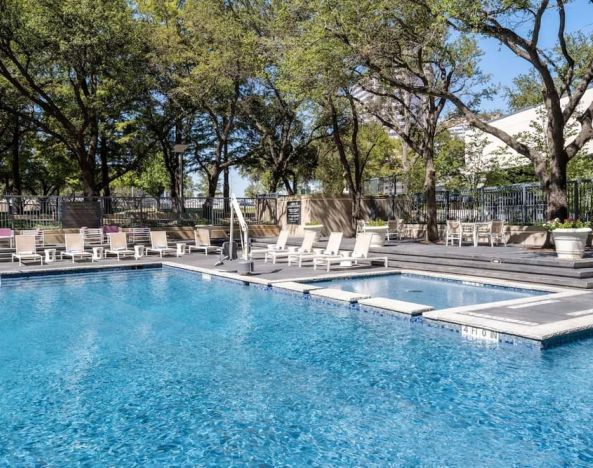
column 81, row 214
column 293, row 212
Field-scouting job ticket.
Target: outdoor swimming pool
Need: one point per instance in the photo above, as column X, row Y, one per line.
column 161, row 367
column 436, row 292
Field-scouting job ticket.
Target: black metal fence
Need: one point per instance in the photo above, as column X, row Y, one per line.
column 518, row 204
column 22, row 212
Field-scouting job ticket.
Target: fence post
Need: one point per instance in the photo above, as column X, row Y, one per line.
column 575, row 200
column 481, row 204
column 59, row 211
column 141, row 212
column 524, row 205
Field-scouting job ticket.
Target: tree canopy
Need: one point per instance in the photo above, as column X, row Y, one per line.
column 96, row 94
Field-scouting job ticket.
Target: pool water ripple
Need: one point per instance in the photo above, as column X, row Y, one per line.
column 161, row 368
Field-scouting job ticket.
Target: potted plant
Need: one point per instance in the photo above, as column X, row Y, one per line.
column 570, row 237
column 379, row 229
column 315, row 226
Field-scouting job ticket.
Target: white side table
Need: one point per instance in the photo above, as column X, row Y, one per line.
column 97, row 254
column 181, row 248
column 138, row 252
column 50, row 255
column 346, row 254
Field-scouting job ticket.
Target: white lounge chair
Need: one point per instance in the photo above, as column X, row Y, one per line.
column 118, row 245
column 25, row 249
column 39, row 236
column 331, row 249
column 75, row 247
column 360, row 253
column 203, row 242
column 159, row 244
column 280, row 245
column 305, row 248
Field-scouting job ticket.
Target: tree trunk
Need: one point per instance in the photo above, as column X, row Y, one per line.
column 556, row 189
column 16, row 164
column 290, row 189
column 226, row 191
column 432, row 230
column 87, row 177
column 357, row 213
column 173, row 188
column 208, row 206
column 103, row 151
column 180, row 205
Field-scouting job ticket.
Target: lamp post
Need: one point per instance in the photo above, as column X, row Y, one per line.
column 179, row 149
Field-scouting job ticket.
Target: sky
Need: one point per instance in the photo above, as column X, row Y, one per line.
column 501, row 64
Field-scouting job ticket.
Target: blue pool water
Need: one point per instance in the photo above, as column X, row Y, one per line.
column 162, row 368
column 439, row 293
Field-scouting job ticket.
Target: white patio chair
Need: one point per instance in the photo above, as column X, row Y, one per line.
column 118, row 246
column 159, row 244
column 393, row 229
column 26, row 249
column 453, row 232
column 360, row 225
column 7, row 234
column 498, row 233
column 92, row 236
column 305, row 248
column 456, row 231
column 484, row 231
column 280, row 245
column 203, row 242
column 75, row 248
column 139, row 235
column 332, row 249
column 360, row 253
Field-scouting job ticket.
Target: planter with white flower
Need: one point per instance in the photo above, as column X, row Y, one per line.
column 570, row 237
column 378, row 228
column 314, row 226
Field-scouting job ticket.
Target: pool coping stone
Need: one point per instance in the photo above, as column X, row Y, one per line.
column 338, row 295
column 402, row 307
column 297, row 287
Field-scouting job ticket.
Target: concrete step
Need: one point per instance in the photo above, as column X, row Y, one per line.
column 558, row 281
column 501, row 265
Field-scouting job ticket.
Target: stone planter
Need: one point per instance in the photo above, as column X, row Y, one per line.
column 378, row 232
column 315, row 228
column 570, row 243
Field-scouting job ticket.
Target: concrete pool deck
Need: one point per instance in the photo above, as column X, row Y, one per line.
column 543, row 320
